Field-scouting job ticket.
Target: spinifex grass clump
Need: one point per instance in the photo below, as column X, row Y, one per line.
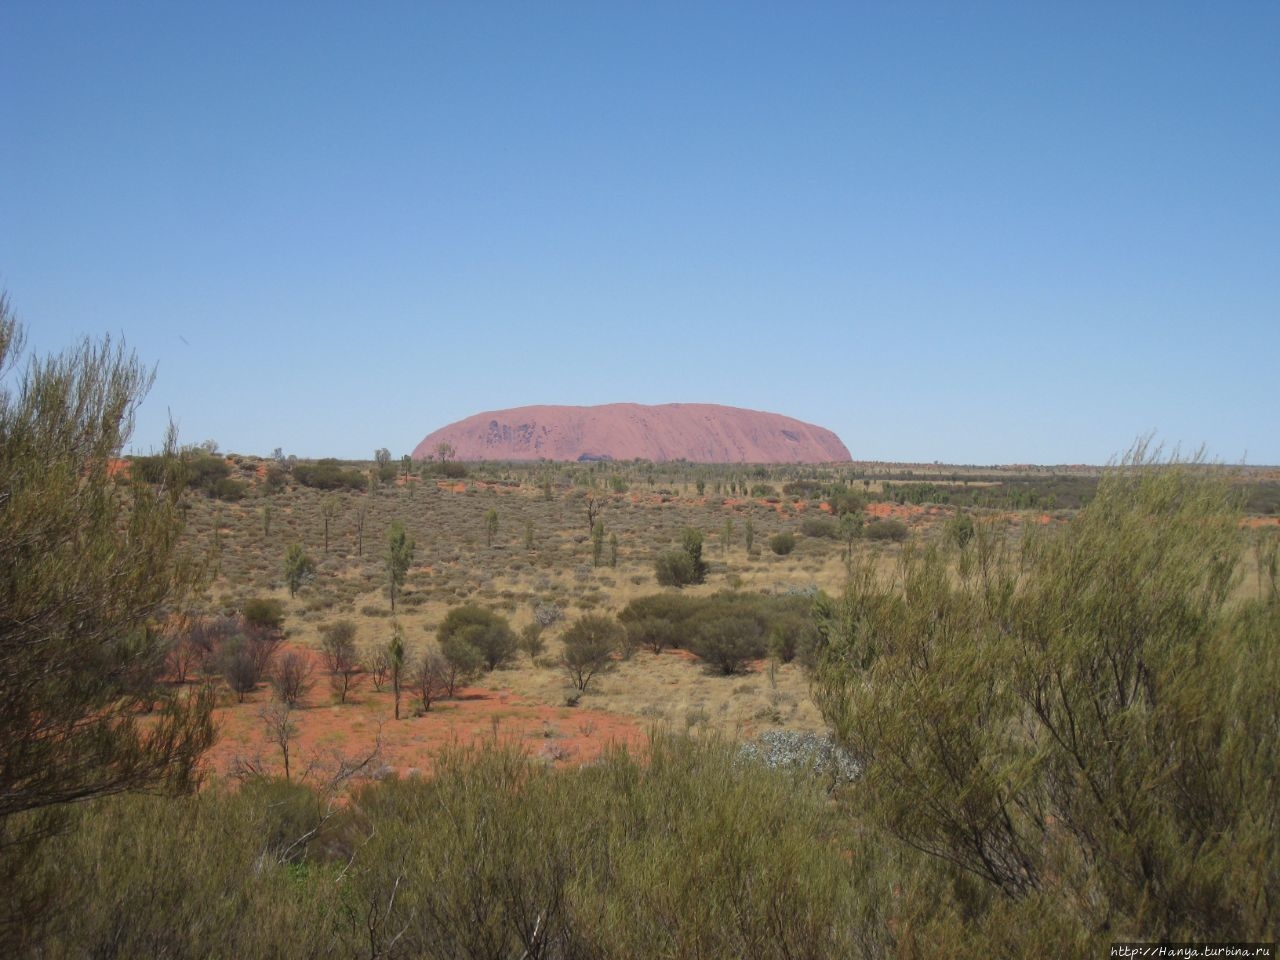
column 1081, row 736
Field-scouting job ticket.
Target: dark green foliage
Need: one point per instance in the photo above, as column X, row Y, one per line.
column 589, row 645
column 210, row 475
column 820, row 527
column 488, row 633
column 449, row 470
column 894, row 530
column 755, row 623
column 782, row 543
column 90, row 568
column 802, row 489
column 674, row 568
column 266, row 613
column 1086, row 719
column 680, row 568
column 465, row 661
column 959, row 529
column 531, row 640
column 329, row 475
column 670, row 608
column 338, row 647
column 727, row 643
column 299, row 568
column 700, row 854
column 400, row 547
column 844, row 501
column 655, row 633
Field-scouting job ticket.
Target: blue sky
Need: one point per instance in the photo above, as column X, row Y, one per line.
column 974, row 233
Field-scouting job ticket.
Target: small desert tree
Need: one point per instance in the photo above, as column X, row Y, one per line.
column 589, row 645
column 291, row 678
column 678, row 568
column 395, row 663
column 597, row 543
column 531, row 641
column 338, row 646
column 399, row 556
column 329, row 507
column 298, row 568
column 463, row 662
column 432, row 677
column 277, row 717
column 490, row 526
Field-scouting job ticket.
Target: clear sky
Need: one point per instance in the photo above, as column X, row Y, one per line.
column 966, row 232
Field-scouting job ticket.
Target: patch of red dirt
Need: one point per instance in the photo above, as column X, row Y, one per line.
column 1255, row 523
column 118, row 467
column 327, row 731
column 897, row 511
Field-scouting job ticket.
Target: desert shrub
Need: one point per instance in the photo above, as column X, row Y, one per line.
column 1029, row 693
column 843, row 501
column 674, row 568
column 338, row 647
column 656, row 633
column 291, row 677
column 680, row 568
column 959, row 529
column 764, row 490
column 803, row 489
column 433, row 677
column 488, row 632
column 266, row 613
column 463, row 660
column 377, row 663
column 782, row 543
column 589, row 645
column 276, row 479
column 448, row 469
column 124, row 888
column 819, row 527
column 894, row 530
column 547, row 614
column 792, row 630
column 531, row 640
column 727, row 643
column 329, row 474
column 240, row 667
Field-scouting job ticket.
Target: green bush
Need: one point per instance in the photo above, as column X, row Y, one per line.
column 266, row 613
column 488, row 633
column 589, row 645
column 329, row 474
column 674, row 569
column 727, row 643
column 819, row 527
column 894, row 530
column 1091, row 718
column 782, row 543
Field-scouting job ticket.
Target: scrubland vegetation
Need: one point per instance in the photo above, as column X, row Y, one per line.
column 960, row 729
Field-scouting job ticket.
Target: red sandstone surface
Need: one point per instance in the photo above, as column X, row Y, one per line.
column 698, row 432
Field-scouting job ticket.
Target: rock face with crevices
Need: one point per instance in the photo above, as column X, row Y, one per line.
column 697, row 432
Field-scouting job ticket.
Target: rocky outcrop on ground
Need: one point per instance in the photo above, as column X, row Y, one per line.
column 697, row 432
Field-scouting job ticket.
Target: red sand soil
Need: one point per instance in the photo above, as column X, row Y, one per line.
column 1256, row 523
column 327, row 731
